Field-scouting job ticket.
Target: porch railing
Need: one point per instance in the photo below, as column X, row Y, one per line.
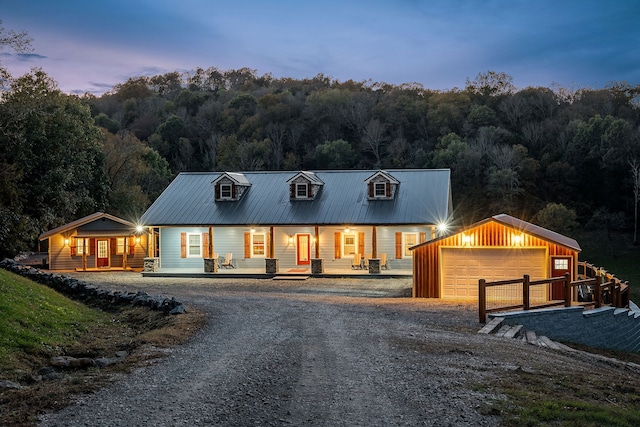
column 594, row 287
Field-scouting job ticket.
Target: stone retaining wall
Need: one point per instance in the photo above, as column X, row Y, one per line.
column 606, row 327
column 87, row 292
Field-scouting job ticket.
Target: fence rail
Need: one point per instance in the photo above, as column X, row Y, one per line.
column 594, row 287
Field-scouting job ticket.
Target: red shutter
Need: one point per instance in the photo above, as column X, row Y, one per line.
column 205, row 245
column 247, row 245
column 388, row 188
column 371, row 189
column 74, row 243
column 309, row 195
column 336, row 241
column 217, row 191
column 132, row 244
column 92, row 247
column 183, row 245
column 398, row 245
column 292, row 191
column 361, row 243
column 423, row 236
column 234, row 191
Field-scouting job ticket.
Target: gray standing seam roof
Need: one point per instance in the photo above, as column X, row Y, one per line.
column 423, row 197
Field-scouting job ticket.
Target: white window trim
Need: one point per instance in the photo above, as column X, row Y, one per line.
column 189, row 254
column 563, row 261
column 120, row 249
column 378, row 195
column 306, row 190
column 230, row 187
column 405, row 245
column 264, row 243
column 80, row 246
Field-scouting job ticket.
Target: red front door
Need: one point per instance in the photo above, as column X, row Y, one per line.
column 559, row 266
column 102, row 253
column 303, row 256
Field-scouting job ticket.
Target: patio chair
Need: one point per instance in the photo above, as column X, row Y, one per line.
column 356, row 264
column 228, row 261
column 365, row 261
column 383, row 262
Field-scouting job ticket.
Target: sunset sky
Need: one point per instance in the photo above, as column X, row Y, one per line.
column 89, row 46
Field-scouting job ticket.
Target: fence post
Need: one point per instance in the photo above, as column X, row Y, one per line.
column 526, row 303
column 568, row 294
column 597, row 292
column 482, row 300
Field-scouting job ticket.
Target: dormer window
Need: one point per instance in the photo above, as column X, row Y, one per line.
column 226, row 190
column 382, row 186
column 304, row 186
column 301, row 191
column 230, row 186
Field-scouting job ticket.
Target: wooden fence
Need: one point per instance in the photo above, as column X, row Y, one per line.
column 603, row 289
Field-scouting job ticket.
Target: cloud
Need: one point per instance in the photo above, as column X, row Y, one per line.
column 23, row 57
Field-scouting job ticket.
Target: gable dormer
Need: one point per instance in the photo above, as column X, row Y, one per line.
column 230, row 186
column 304, row 186
column 381, row 186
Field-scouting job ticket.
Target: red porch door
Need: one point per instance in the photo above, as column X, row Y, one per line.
column 303, row 256
column 559, row 266
column 102, row 253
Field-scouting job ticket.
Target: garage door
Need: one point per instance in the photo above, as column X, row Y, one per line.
column 462, row 268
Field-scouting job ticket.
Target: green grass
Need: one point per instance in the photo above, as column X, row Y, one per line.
column 35, row 320
column 619, row 257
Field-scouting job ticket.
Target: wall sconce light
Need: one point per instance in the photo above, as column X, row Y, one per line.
column 137, row 240
column 517, row 239
column 466, row 239
column 253, row 230
column 139, row 228
column 346, row 230
column 290, row 238
column 66, row 242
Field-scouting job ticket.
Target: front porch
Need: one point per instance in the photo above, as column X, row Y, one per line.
column 293, row 273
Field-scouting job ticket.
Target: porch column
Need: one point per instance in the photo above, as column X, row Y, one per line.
column 125, row 252
column 317, row 241
column 211, row 243
column 374, row 242
column 271, row 242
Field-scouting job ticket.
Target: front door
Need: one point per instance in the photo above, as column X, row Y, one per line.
column 559, row 266
column 304, row 249
column 102, row 253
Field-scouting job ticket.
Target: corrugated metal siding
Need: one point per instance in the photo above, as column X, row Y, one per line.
column 489, row 234
column 423, row 197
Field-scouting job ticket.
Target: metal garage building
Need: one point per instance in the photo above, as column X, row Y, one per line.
column 497, row 248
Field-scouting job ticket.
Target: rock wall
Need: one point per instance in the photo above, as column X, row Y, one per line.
column 87, row 292
column 605, row 327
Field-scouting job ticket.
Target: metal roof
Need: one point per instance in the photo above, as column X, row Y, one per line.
column 108, row 226
column 536, row 230
column 423, row 197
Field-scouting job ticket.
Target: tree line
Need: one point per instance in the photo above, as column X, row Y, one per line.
column 560, row 157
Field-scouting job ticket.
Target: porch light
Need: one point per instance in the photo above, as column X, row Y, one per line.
column 137, row 240
column 290, row 238
column 517, row 239
column 442, row 227
column 466, row 239
column 139, row 228
column 253, row 230
column 346, row 230
column 66, row 242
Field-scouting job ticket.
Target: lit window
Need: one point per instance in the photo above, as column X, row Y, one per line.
column 225, row 191
column 194, row 247
column 80, row 247
column 301, row 191
column 561, row 264
column 380, row 189
column 410, row 239
column 120, row 247
column 258, row 244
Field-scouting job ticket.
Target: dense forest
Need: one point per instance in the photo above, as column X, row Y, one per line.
column 560, row 157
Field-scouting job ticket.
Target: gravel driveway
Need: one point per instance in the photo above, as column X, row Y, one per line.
column 318, row 352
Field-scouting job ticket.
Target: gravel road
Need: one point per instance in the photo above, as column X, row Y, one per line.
column 318, row 352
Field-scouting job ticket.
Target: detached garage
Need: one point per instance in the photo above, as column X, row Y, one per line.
column 497, row 248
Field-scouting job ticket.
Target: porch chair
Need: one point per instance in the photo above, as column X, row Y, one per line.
column 228, row 261
column 365, row 261
column 356, row 264
column 383, row 262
